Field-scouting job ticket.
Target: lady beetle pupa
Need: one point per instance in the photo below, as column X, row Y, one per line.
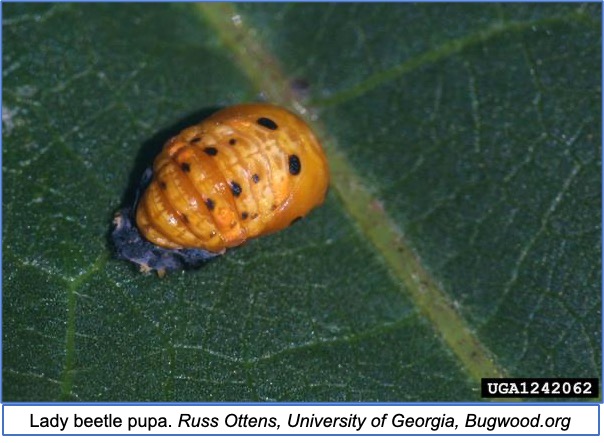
column 245, row 171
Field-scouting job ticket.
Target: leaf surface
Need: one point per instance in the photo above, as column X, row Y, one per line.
column 461, row 238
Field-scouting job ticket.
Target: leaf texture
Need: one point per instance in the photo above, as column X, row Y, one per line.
column 461, row 237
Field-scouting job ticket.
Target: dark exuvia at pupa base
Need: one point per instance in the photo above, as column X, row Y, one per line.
column 132, row 246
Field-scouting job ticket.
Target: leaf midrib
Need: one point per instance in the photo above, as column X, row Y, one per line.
column 375, row 223
column 362, row 204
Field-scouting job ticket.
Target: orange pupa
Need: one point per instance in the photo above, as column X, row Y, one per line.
column 244, row 172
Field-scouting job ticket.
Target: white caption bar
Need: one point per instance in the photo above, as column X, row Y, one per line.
column 299, row 419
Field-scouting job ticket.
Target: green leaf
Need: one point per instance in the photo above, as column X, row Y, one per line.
column 460, row 239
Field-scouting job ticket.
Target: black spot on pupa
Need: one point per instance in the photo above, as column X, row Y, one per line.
column 210, row 204
column 297, row 219
column 267, row 123
column 244, row 215
column 255, row 178
column 184, row 218
column 163, row 185
column 235, row 188
column 211, row 151
column 232, row 142
column 294, row 165
column 195, row 140
column 185, row 167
